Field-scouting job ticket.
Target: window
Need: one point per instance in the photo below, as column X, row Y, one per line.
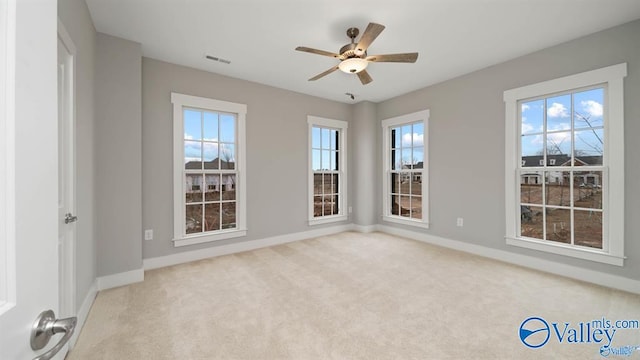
column 571, row 200
column 405, row 167
column 327, row 170
column 209, row 169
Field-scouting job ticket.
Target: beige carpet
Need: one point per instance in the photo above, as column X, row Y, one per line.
column 347, row 296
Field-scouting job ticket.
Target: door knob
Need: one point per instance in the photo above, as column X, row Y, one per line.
column 45, row 326
column 68, row 218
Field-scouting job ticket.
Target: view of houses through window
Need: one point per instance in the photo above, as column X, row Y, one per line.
column 209, row 171
column 561, row 169
column 407, row 164
column 325, row 163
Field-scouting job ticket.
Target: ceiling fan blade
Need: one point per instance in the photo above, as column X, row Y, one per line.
column 319, row 52
column 364, row 76
column 370, row 34
column 324, row 73
column 404, row 58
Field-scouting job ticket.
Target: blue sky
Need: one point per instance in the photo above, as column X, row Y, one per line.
column 203, row 133
column 587, row 120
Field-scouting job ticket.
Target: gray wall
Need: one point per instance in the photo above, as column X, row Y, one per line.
column 118, row 155
column 364, row 147
column 74, row 14
column 466, row 137
column 277, row 126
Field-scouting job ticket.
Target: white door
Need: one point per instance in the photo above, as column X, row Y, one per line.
column 29, row 236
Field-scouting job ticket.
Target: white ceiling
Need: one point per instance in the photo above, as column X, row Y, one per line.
column 453, row 37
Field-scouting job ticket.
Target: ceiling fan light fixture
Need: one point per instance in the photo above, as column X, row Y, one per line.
column 353, row 65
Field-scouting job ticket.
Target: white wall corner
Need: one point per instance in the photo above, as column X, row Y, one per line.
column 573, row 272
column 83, row 312
column 120, row 279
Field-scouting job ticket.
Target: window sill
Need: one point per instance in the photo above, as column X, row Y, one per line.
column 328, row 219
column 204, row 238
column 567, row 250
column 404, row 221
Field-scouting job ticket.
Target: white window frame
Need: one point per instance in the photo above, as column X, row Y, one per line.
column 181, row 101
column 611, row 78
column 342, row 127
column 7, row 155
column 386, row 168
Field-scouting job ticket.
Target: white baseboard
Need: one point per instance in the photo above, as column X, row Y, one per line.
column 577, row 273
column 188, row 256
column 83, row 313
column 120, row 279
column 365, row 229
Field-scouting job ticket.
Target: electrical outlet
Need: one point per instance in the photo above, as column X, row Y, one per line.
column 460, row 222
column 148, row 234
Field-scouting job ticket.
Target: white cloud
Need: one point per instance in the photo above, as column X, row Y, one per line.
column 526, row 127
column 525, row 107
column 557, row 110
column 418, row 139
column 593, row 108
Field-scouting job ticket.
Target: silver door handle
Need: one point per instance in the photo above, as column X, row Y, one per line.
column 45, row 326
column 68, row 218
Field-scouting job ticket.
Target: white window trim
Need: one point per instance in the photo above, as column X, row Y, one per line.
column 386, row 169
column 342, row 188
column 180, row 101
column 613, row 219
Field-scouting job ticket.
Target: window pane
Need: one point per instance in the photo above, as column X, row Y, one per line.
column 328, row 201
column 416, row 207
column 405, row 183
column 589, row 146
column 557, row 190
column 228, row 187
column 228, row 215
column 532, row 117
column 210, row 126
column 396, row 160
column 559, row 113
column 588, row 228
column 317, row 206
column 212, row 217
column 227, row 156
column 559, row 144
column 587, row 189
column 406, row 136
column 418, row 157
column 531, row 221
column 334, row 161
column 210, row 151
column 192, row 125
column 588, row 108
column 193, row 219
column 317, row 184
column 395, row 138
column 193, row 188
column 315, row 160
column 558, row 225
column 334, row 139
column 192, row 155
column 406, row 157
column 395, row 183
column 212, row 191
column 334, row 184
column 227, row 128
column 416, row 183
column 532, row 150
column 336, row 205
column 325, row 139
column 531, row 187
column 315, row 137
column 395, row 206
column 418, row 134
column 326, row 160
column 405, row 206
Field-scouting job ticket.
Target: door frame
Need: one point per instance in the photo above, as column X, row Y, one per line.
column 67, row 251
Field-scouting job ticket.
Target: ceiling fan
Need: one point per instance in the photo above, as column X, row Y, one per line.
column 353, row 57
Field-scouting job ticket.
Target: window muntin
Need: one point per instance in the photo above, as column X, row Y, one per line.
column 561, row 198
column 405, row 169
column 209, row 186
column 327, row 170
column 589, row 155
